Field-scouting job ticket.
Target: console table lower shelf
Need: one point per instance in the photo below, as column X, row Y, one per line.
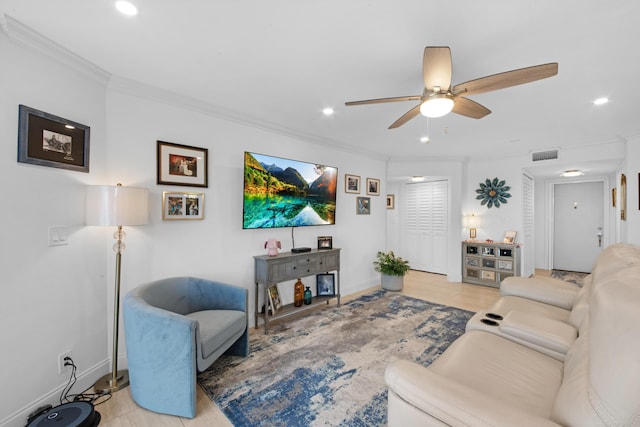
column 290, row 310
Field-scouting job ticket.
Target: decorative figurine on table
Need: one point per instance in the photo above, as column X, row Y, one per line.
column 272, row 246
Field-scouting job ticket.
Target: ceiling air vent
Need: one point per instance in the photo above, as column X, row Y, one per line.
column 544, row 155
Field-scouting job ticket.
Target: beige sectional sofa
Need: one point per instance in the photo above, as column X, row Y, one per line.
column 555, row 355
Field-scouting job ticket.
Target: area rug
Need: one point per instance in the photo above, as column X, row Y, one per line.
column 569, row 276
column 327, row 368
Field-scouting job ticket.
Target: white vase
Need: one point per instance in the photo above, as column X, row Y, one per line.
column 392, row 283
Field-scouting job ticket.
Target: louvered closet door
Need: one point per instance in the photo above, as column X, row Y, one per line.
column 528, row 250
column 427, row 225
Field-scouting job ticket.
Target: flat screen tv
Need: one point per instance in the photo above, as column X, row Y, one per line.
column 287, row 193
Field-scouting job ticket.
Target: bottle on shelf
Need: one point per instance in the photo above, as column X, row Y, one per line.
column 307, row 296
column 298, row 293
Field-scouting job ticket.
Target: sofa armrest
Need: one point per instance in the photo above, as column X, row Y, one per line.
column 546, row 290
column 450, row 402
column 538, row 330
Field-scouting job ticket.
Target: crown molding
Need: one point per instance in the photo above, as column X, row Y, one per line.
column 24, row 36
column 142, row 90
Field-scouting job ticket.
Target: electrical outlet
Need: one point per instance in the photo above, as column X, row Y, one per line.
column 61, row 361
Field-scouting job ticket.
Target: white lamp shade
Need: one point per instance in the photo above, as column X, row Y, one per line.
column 471, row 221
column 117, row 205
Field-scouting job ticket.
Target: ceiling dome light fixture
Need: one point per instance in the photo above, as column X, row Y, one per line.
column 601, row 101
column 328, row 111
column 126, row 8
column 572, row 173
column 437, row 105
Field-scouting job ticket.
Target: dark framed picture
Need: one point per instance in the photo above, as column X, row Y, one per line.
column 363, row 205
column 351, row 184
column 325, row 284
column 391, row 201
column 48, row 140
column 182, row 165
column 325, row 242
column 182, row 205
column 373, row 186
column 274, row 298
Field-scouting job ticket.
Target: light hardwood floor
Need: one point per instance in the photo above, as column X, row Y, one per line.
column 121, row 411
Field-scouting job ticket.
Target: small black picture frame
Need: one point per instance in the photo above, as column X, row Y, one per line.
column 325, row 242
column 326, row 285
column 48, row 140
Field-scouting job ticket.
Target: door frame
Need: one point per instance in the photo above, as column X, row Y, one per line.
column 606, row 226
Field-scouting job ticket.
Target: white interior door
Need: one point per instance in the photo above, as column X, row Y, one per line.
column 578, row 225
column 427, row 226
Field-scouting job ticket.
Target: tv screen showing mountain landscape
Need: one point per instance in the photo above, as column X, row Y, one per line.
column 287, row 193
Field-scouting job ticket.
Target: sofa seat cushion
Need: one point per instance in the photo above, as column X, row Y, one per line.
column 216, row 327
column 542, row 289
column 511, row 303
column 514, row 374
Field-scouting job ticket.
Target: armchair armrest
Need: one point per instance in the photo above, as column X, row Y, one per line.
column 450, row 402
column 546, row 290
column 161, row 353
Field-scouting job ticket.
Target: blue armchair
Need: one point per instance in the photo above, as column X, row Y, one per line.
column 175, row 328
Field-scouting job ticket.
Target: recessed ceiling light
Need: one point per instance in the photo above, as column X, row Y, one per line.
column 328, row 111
column 417, row 178
column 126, row 8
column 572, row 173
column 424, row 139
column 601, row 101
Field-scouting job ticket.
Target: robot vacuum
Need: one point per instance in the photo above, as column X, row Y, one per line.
column 74, row 414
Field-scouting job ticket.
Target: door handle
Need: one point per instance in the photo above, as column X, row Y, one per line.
column 599, row 237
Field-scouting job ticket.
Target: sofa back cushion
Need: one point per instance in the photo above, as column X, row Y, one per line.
column 602, row 369
column 613, row 259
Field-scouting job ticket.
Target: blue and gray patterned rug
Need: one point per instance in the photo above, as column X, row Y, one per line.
column 327, row 368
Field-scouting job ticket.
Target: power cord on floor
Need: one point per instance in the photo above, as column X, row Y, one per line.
column 93, row 398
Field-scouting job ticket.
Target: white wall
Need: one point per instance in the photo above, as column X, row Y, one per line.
column 52, row 299
column 55, row 299
column 631, row 227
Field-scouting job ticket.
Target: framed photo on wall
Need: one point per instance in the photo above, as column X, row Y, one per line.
column 373, row 186
column 48, row 140
column 182, row 205
column 351, row 184
column 182, row 165
column 391, row 201
column 325, row 284
column 363, row 205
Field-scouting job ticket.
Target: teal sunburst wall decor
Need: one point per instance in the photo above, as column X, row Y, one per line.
column 493, row 193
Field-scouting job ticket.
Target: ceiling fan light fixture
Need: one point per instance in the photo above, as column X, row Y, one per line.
column 437, row 105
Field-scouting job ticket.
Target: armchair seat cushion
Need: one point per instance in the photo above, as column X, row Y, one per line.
column 218, row 326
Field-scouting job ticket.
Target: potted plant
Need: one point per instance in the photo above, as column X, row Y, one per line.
column 392, row 269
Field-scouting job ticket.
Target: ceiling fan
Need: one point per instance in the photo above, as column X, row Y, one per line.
column 439, row 97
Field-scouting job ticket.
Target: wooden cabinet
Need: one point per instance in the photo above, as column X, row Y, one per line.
column 271, row 270
column 489, row 263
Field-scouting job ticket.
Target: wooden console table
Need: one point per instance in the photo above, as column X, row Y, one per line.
column 271, row 270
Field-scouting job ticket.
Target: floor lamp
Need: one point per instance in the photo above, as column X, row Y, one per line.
column 109, row 205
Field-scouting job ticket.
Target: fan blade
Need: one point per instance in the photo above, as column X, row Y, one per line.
column 381, row 100
column 436, row 67
column 507, row 79
column 406, row 117
column 469, row 108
